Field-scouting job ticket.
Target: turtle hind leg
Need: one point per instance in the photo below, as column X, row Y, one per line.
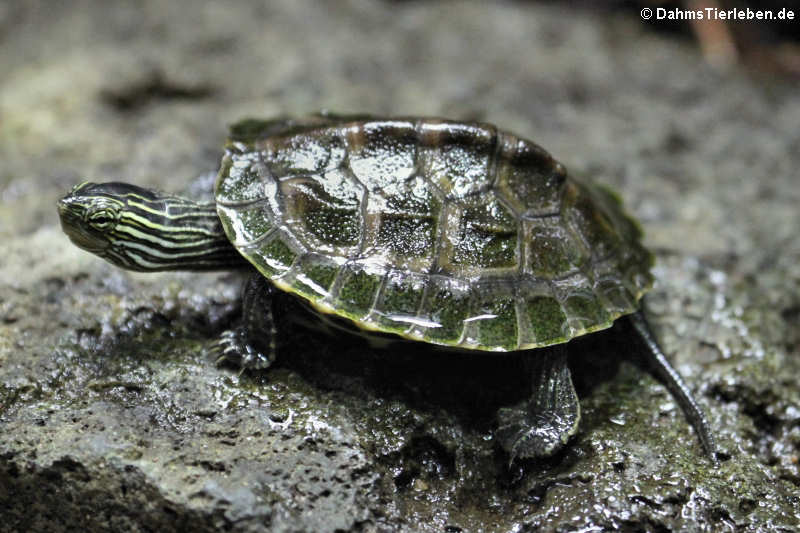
column 251, row 345
column 673, row 381
column 541, row 425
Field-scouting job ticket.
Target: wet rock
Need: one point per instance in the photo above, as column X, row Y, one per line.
column 113, row 417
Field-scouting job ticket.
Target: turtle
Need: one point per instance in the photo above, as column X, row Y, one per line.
column 436, row 232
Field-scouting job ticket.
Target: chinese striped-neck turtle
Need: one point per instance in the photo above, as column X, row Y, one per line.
column 449, row 233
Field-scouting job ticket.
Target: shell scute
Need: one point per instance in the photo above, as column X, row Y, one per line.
column 616, row 298
column 547, row 319
column 382, row 154
column 358, row 291
column 247, row 224
column 552, row 250
column 272, row 258
column 593, row 224
column 399, row 300
column 529, row 178
column 314, row 276
column 584, row 310
column 239, row 181
column 445, row 308
column 488, row 236
column 305, row 153
column 499, row 324
column 458, row 158
column 404, row 235
column 402, row 220
column 324, row 210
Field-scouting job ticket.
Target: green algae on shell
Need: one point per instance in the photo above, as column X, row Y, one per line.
column 452, row 233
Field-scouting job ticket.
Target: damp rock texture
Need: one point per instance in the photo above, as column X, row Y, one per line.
column 112, row 416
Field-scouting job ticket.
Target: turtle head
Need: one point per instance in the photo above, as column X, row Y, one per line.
column 90, row 213
column 145, row 230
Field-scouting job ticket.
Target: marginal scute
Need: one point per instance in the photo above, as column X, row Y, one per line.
column 616, row 298
column 452, row 233
column 247, row 224
column 590, row 220
column 315, row 275
column 642, row 281
column 272, row 257
column 239, row 180
column 357, row 292
column 584, row 310
column 497, row 324
column 400, row 300
column 446, row 306
column 547, row 318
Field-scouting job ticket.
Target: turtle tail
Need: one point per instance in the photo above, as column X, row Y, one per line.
column 673, row 381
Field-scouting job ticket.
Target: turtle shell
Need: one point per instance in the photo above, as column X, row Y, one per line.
column 447, row 232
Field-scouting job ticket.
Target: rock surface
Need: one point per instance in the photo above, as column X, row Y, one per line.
column 113, row 418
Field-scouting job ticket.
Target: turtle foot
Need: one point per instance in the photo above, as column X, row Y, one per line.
column 233, row 348
column 524, row 434
column 540, row 426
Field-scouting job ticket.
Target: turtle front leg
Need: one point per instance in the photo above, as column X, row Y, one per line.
column 541, row 425
column 251, row 345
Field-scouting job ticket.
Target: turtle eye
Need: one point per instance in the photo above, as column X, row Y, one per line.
column 102, row 219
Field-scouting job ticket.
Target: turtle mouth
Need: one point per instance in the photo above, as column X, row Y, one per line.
column 74, row 226
column 87, row 243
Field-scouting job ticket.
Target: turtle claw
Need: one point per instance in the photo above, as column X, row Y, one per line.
column 233, row 348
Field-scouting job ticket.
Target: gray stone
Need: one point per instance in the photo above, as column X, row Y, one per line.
column 113, row 418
